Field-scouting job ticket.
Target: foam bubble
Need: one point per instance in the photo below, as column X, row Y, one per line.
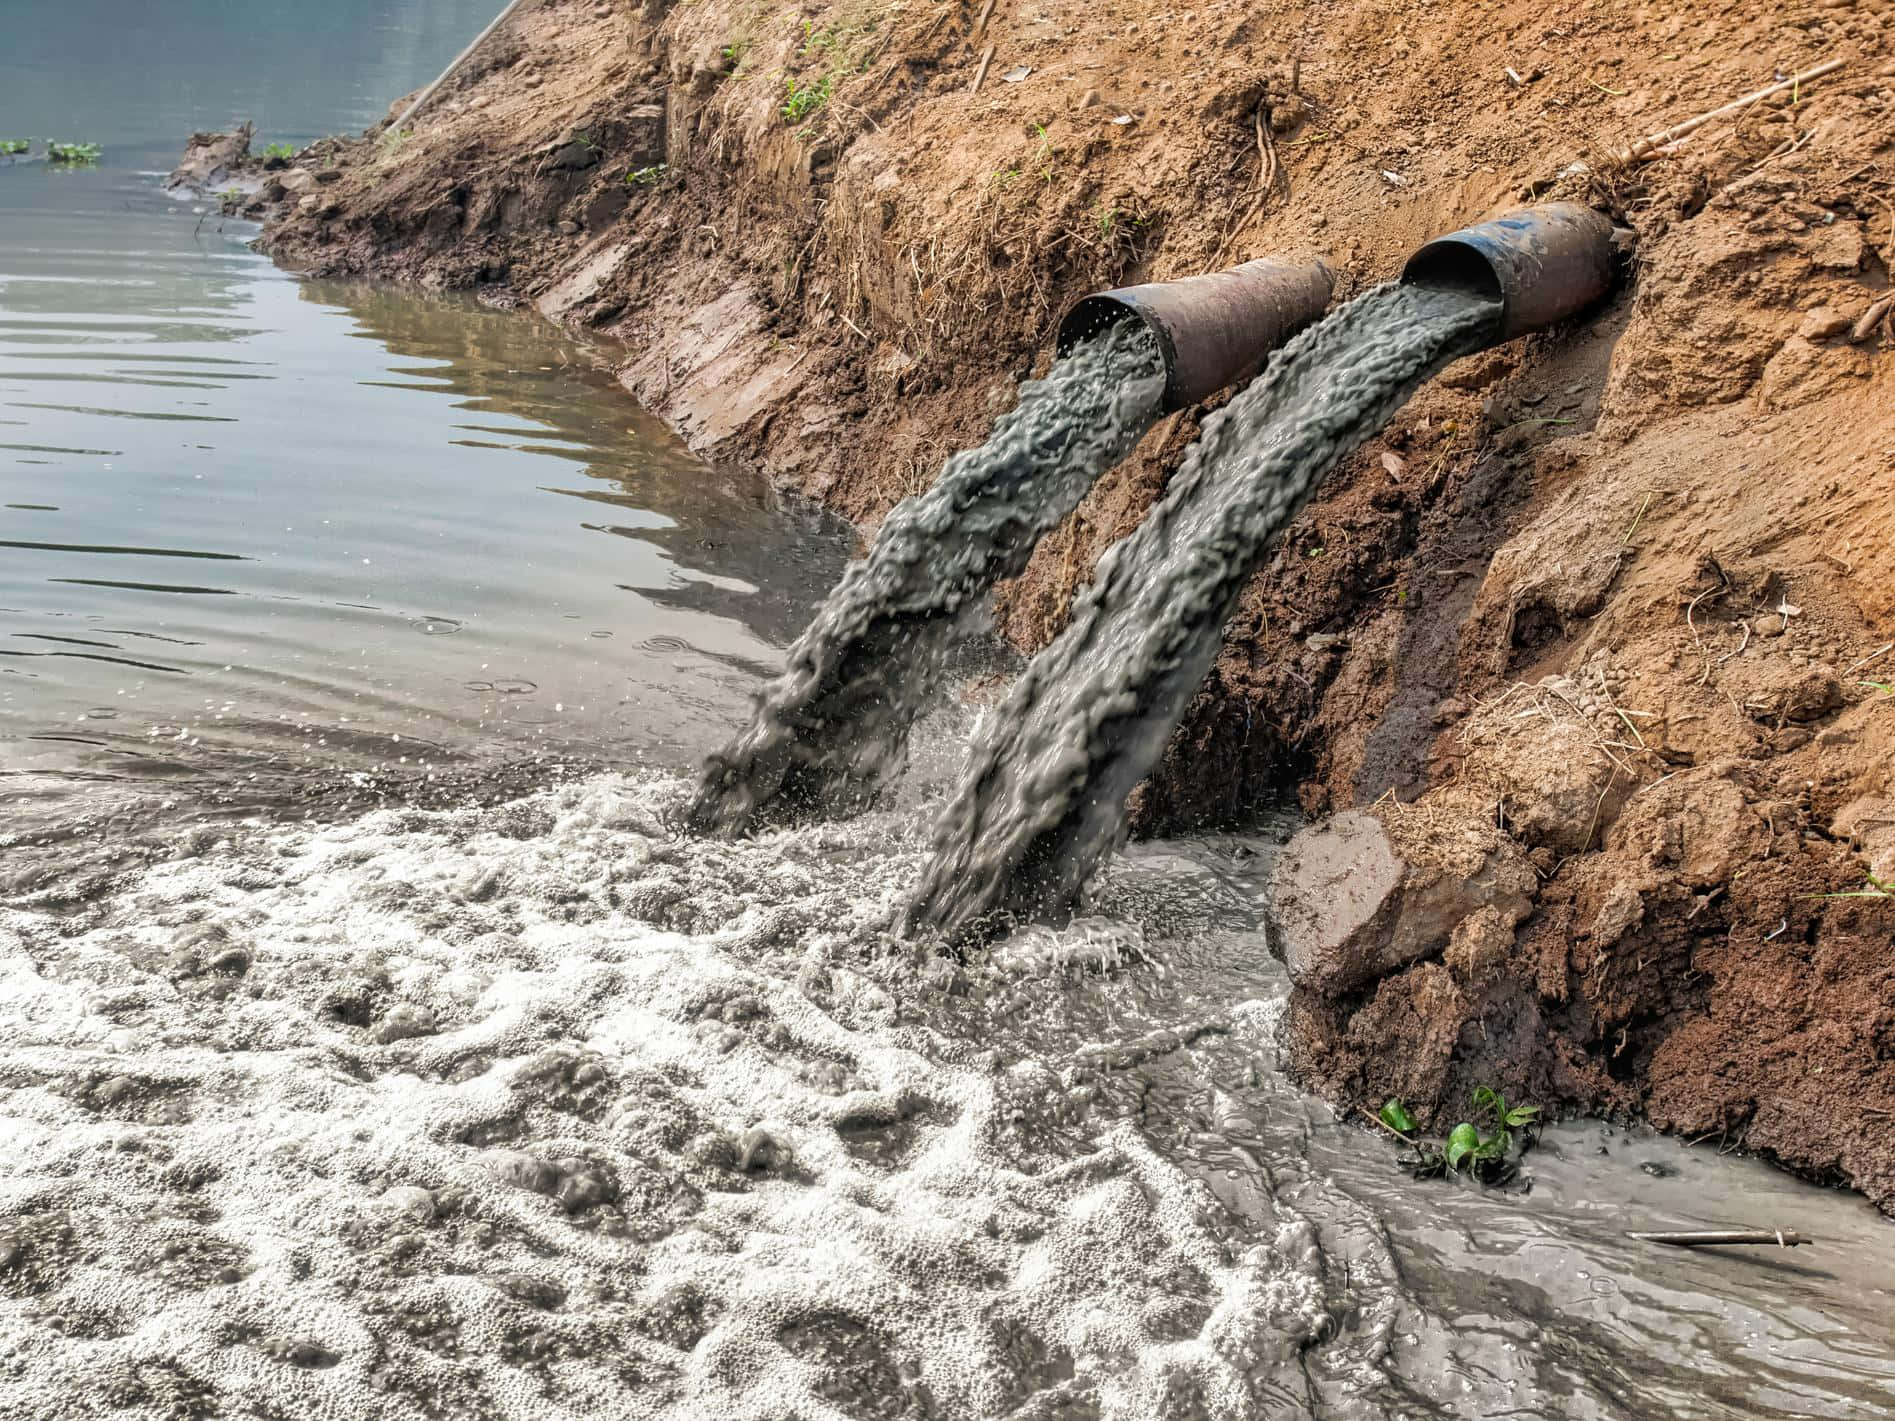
column 540, row 1110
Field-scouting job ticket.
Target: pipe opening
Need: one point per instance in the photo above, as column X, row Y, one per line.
column 1097, row 314
column 1089, row 318
column 1449, row 265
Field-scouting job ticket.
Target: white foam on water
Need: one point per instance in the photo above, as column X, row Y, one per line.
column 544, row 1111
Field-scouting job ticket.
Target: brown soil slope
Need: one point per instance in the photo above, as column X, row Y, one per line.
column 1596, row 629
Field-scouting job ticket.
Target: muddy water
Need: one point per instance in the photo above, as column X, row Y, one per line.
column 253, row 527
column 1043, row 796
column 541, row 1111
column 833, row 727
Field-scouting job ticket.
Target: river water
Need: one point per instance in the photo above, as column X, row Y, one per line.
column 256, row 526
column 538, row 1109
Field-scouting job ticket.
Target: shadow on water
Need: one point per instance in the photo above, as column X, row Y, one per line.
column 558, row 399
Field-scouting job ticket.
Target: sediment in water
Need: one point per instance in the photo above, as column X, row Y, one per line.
column 1043, row 797
column 828, row 731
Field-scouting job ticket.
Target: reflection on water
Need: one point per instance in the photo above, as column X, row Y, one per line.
column 262, row 524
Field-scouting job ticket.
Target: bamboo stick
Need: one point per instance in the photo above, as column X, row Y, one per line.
column 1706, row 1238
column 459, row 59
column 1647, row 148
column 986, row 58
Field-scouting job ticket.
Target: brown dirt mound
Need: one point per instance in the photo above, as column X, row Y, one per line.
column 1608, row 600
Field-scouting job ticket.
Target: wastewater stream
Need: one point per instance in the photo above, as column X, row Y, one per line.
column 541, row 1108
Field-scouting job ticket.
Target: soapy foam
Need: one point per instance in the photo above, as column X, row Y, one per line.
column 540, row 1110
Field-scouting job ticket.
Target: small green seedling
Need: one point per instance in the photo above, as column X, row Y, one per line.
column 10, row 146
column 77, row 154
column 1479, row 1148
column 648, row 177
column 1875, row 889
column 280, row 150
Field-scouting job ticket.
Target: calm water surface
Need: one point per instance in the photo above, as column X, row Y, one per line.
column 252, row 523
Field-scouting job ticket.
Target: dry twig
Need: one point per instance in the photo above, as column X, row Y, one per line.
column 1647, row 148
column 980, row 75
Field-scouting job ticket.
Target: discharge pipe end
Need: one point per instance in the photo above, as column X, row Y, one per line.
column 1542, row 264
column 1212, row 330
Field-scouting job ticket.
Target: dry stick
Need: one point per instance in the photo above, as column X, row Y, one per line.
column 1646, row 148
column 1706, row 1238
column 986, row 58
column 1871, row 318
column 1378, row 1120
column 980, row 25
column 459, row 60
column 1879, row 651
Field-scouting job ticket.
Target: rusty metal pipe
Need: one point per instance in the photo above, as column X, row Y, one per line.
column 1542, row 264
column 1213, row 330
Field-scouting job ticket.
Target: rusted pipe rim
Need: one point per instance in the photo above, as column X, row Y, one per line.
column 1212, row 330
column 1539, row 265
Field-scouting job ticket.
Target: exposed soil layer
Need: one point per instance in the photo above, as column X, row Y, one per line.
column 1609, row 605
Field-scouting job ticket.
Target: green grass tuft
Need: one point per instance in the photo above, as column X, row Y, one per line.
column 801, row 100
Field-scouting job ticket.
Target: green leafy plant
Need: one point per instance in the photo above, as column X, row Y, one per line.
column 77, row 154
column 1481, row 1148
column 10, row 146
column 648, row 177
column 801, row 100
column 280, row 150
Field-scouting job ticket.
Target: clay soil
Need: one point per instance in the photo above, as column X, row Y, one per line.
column 1615, row 601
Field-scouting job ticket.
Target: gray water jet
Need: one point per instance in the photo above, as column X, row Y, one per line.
column 1043, row 798
column 833, row 727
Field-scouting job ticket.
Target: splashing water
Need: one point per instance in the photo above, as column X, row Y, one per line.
column 538, row 1111
column 1043, row 797
column 833, row 727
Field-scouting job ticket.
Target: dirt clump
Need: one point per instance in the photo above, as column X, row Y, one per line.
column 1612, row 599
